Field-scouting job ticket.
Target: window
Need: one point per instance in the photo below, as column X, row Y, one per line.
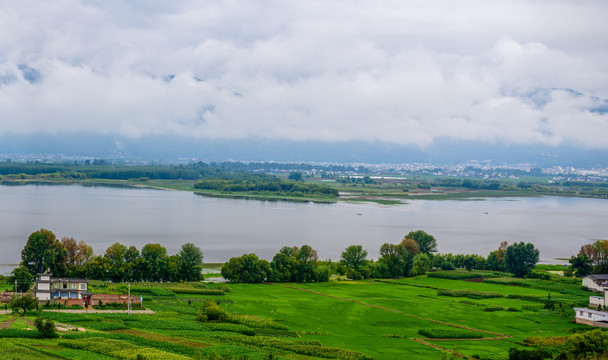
column 589, row 315
column 581, row 313
column 83, row 286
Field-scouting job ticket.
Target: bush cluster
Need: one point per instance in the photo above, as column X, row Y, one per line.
column 438, row 333
column 473, row 294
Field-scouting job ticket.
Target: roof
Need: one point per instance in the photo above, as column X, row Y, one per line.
column 60, row 279
column 594, row 312
column 600, row 277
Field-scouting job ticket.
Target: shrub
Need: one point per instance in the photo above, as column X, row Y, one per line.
column 435, row 333
column 212, row 312
column 447, row 265
column 536, row 354
column 46, row 327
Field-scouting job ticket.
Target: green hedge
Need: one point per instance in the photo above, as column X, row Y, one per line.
column 473, row 294
column 435, row 333
column 192, row 291
column 455, row 275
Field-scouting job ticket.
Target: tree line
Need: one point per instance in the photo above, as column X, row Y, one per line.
column 69, row 258
column 414, row 255
column 263, row 183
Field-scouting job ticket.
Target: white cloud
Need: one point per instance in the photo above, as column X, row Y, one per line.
column 401, row 72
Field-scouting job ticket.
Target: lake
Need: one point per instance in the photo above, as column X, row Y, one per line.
column 223, row 228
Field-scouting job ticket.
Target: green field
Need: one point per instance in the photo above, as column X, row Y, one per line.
column 368, row 319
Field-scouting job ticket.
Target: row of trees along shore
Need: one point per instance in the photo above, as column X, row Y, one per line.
column 416, row 254
column 69, row 258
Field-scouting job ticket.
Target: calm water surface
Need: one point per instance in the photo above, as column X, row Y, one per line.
column 223, row 228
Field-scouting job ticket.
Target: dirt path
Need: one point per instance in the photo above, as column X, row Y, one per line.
column 7, row 323
column 420, row 341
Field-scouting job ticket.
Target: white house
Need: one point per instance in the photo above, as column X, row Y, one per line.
column 596, row 282
column 591, row 317
column 51, row 288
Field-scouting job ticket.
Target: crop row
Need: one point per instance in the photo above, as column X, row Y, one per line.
column 119, row 349
column 435, row 333
column 310, row 348
column 473, row 294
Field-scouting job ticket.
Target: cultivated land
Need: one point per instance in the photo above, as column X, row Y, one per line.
column 369, row 319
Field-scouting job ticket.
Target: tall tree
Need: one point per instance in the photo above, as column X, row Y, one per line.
column 427, row 243
column 521, row 258
column 43, row 251
column 581, row 265
column 307, row 262
column 598, row 253
column 191, row 258
column 496, row 259
column 156, row 259
column 396, row 260
column 22, row 278
column 78, row 252
column 354, row 258
column 247, row 268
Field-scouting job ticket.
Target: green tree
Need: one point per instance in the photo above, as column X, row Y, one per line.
column 78, row 252
column 46, row 327
column 99, row 268
column 307, row 259
column 116, row 253
column 354, row 258
column 22, row 277
column 295, row 176
column 422, row 264
column 521, row 258
column 43, row 251
column 598, row 253
column 283, row 266
column 23, row 303
column 155, row 256
column 427, row 243
column 247, row 268
column 191, row 258
column 496, row 259
column 581, row 265
column 588, row 345
column 395, row 261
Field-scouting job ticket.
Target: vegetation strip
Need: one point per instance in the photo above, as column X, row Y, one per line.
column 423, row 342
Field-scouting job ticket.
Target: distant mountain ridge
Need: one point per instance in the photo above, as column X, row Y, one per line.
column 185, row 149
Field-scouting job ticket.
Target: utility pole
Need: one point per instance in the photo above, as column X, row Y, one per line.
column 15, row 287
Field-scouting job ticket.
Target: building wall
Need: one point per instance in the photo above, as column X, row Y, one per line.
column 44, row 286
column 43, row 296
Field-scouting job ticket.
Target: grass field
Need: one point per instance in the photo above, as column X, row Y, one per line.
column 339, row 319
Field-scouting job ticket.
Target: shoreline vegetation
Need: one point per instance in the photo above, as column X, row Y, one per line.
column 328, row 185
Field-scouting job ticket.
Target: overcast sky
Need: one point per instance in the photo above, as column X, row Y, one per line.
column 406, row 72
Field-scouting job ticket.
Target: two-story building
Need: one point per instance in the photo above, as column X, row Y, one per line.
column 48, row 287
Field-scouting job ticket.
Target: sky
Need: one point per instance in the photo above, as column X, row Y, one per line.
column 398, row 72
